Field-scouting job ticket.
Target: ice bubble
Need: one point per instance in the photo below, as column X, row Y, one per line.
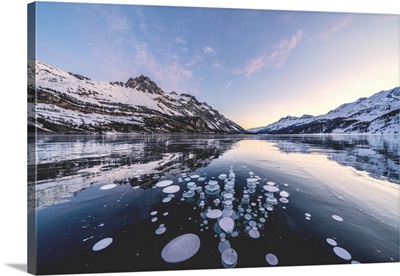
column 214, row 214
column 191, row 185
column 251, row 180
column 307, row 218
column 234, row 234
column 331, row 241
column 228, row 196
column 253, row 204
column 154, row 219
column 187, row 179
column 270, row 183
column 285, row 184
column 195, row 176
column 247, row 216
column 283, row 200
column 271, row 259
column 171, row 196
column 217, row 201
column 166, row 199
column 229, row 258
column 271, row 189
column 254, row 234
column 181, row 248
column 201, row 179
column 338, row 218
column 171, row 189
column 272, row 200
column 342, row 253
column 227, row 224
column 222, row 176
column 100, row 245
column 108, row 186
column 160, row 230
column 164, row 183
column 252, row 223
column 284, row 194
column 307, row 214
column 355, row 262
column 262, row 220
column 223, row 245
column 153, row 213
column 165, row 214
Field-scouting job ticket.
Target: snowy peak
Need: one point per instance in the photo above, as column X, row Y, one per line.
column 378, row 114
column 145, row 84
column 59, row 101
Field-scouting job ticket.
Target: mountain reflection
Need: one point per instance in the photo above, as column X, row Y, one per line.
column 67, row 164
column 376, row 154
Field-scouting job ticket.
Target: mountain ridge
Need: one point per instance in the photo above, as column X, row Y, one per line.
column 377, row 114
column 65, row 102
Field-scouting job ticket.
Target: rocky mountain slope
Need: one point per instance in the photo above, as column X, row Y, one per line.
column 64, row 102
column 378, row 114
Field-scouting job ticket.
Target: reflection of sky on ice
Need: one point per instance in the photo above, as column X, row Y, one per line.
column 378, row 198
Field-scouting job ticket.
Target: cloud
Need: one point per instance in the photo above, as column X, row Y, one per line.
column 195, row 59
column 338, row 26
column 180, row 41
column 276, row 57
column 282, row 51
column 254, row 65
column 227, row 85
column 208, row 50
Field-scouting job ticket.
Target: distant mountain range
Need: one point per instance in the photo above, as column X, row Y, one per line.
column 63, row 102
column 378, row 114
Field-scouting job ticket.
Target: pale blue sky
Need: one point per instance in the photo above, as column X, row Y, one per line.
column 254, row 66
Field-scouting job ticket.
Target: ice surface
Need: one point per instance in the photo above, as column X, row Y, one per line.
column 181, row 248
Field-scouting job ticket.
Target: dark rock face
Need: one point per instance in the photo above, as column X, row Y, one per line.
column 70, row 103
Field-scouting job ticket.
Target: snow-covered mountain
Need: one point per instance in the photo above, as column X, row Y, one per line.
column 64, row 102
column 378, row 114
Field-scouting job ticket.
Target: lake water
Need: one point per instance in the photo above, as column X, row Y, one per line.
column 312, row 200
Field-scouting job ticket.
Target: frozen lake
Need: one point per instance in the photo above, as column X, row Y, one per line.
column 108, row 203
